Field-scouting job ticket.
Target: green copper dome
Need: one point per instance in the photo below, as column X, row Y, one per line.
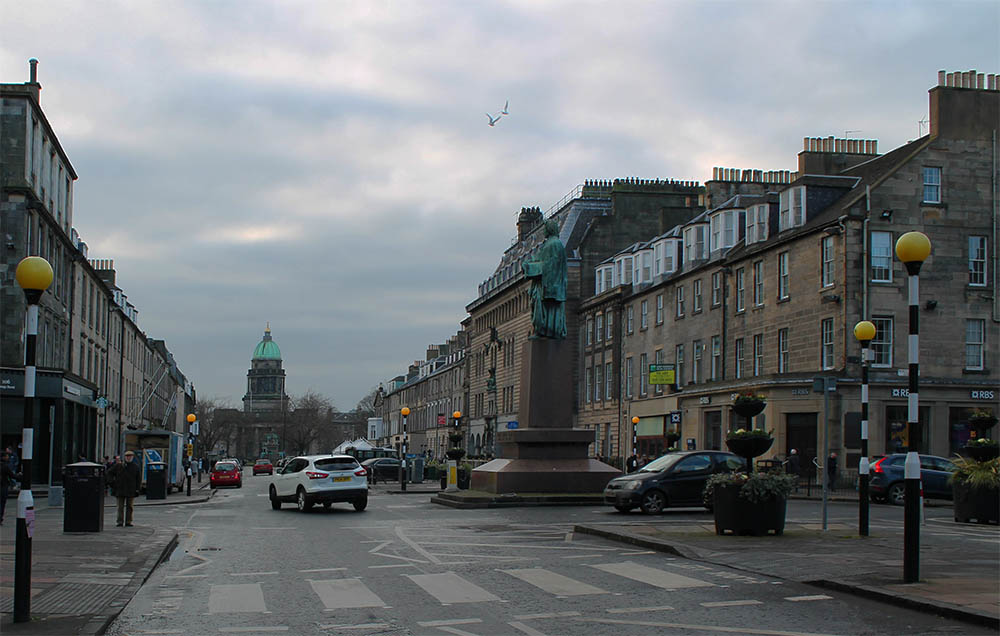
column 267, row 349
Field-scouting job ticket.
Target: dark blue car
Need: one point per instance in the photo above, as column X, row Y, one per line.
column 887, row 479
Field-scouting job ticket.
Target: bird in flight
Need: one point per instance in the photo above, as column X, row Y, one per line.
column 494, row 120
column 505, row 105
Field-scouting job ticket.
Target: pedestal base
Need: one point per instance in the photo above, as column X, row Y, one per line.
column 543, row 476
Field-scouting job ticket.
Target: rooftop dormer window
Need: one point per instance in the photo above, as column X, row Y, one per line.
column 757, row 223
column 725, row 229
column 791, row 208
column 694, row 243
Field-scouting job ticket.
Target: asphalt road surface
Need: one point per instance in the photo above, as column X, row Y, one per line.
column 405, row 566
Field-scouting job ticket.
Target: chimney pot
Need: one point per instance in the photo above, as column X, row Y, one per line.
column 33, row 72
column 941, row 77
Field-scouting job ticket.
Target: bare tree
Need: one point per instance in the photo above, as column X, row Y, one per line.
column 311, row 414
column 366, row 405
column 216, row 431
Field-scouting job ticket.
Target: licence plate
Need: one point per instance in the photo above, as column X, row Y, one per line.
column 341, row 479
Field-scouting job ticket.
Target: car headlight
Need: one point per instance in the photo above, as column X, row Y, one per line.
column 632, row 484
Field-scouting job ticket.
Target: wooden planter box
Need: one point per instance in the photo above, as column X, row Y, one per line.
column 739, row 516
column 983, row 505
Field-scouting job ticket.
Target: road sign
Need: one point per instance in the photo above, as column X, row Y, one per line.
column 662, row 374
column 511, row 425
column 675, row 417
column 102, row 402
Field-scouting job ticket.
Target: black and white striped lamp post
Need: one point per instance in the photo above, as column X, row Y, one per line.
column 635, row 438
column 405, row 411
column 912, row 249
column 34, row 275
column 864, row 331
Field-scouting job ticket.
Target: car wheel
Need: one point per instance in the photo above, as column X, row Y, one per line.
column 653, row 502
column 239, row 485
column 303, row 501
column 360, row 504
column 897, row 494
column 275, row 502
column 623, row 508
column 326, row 505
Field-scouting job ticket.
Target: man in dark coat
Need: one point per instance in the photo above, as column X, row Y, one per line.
column 632, row 464
column 831, row 470
column 126, row 479
column 792, row 465
column 7, row 477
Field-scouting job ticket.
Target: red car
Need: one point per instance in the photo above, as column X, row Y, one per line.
column 226, row 473
column 262, row 466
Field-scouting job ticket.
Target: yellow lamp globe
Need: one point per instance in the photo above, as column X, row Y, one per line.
column 34, row 274
column 457, row 415
column 191, row 418
column 404, row 411
column 864, row 331
column 635, row 419
column 913, row 247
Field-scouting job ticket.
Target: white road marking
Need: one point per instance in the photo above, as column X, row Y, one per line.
column 283, row 528
column 531, row 617
column 416, row 548
column 527, row 629
column 254, row 573
column 325, row 570
column 345, row 594
column 704, row 628
column 730, row 603
column 813, row 597
column 361, row 626
column 380, row 546
column 393, row 565
column 456, row 631
column 236, row 598
column 633, row 610
column 583, row 556
column 634, row 552
column 453, row 621
column 451, row 588
column 163, row 631
column 186, row 576
column 554, row 583
column 651, row 576
column 245, row 630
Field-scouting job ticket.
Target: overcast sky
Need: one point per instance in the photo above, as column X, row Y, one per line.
column 328, row 167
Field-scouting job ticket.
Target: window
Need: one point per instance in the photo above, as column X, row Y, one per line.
column 758, row 283
column 629, row 319
column 657, row 259
column 643, row 375
column 740, row 290
column 679, row 361
column 826, row 347
column 590, row 331
column 599, row 331
column 975, row 341
column 696, row 293
column 597, row 382
column 628, row 376
column 791, row 208
column 628, row 270
column 647, row 266
column 881, row 257
column 783, row 275
column 644, row 314
column 680, row 301
column 881, row 344
column 826, row 267
column 609, row 382
column 716, row 357
column 758, row 354
column 669, row 252
column 977, row 261
column 783, row 350
column 659, row 309
column 739, row 357
column 716, row 289
column 696, row 371
column 932, row 185
column 756, row 223
column 658, row 359
column 610, row 327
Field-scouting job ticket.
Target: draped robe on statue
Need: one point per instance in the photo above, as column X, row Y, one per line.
column 548, row 289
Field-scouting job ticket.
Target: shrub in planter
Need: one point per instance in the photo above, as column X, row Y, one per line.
column 751, row 503
column 982, row 449
column 982, row 420
column 976, row 490
column 749, row 404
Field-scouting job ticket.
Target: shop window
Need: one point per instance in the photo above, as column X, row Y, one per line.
column 900, row 436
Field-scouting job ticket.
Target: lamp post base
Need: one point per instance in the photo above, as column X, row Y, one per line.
column 452, row 476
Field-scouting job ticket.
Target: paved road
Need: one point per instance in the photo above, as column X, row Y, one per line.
column 406, row 566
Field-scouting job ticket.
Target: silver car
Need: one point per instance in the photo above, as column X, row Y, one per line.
column 327, row 479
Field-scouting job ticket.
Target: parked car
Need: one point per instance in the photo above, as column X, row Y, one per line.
column 887, row 481
column 382, row 468
column 325, row 479
column 262, row 466
column 675, row 479
column 226, row 473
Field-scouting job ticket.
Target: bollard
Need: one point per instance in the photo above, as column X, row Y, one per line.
column 911, row 519
column 189, row 481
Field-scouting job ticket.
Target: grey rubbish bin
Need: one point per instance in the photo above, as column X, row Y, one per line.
column 156, row 480
column 416, row 467
column 83, row 487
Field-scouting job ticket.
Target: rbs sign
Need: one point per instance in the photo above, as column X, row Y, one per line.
column 982, row 395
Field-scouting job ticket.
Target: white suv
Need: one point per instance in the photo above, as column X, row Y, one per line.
column 325, row 479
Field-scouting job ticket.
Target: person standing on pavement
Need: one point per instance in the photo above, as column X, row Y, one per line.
column 831, row 470
column 125, row 478
column 7, row 476
column 631, row 464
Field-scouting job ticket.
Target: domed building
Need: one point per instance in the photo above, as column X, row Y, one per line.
column 265, row 394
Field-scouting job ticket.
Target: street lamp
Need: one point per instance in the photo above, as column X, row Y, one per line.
column 191, row 419
column 454, row 453
column 635, row 438
column 912, row 248
column 864, row 331
column 34, row 275
column 402, row 450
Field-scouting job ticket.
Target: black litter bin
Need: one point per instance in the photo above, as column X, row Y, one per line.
column 156, row 480
column 83, row 510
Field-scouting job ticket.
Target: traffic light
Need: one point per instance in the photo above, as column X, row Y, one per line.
column 190, row 450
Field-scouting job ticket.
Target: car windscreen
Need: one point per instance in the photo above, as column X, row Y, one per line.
column 224, row 467
column 336, row 463
column 661, row 463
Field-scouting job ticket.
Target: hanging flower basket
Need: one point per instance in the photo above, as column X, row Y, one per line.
column 672, row 438
column 455, row 453
column 749, row 446
column 982, row 420
column 749, row 404
column 982, row 449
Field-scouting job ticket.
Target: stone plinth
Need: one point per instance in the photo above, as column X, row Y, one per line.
column 543, row 476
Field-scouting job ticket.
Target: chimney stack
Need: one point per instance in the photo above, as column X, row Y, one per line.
column 33, row 65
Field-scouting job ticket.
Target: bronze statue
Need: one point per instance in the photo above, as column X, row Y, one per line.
column 548, row 286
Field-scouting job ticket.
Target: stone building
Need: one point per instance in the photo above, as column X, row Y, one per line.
column 768, row 301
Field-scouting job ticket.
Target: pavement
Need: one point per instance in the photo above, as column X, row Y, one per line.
column 81, row 582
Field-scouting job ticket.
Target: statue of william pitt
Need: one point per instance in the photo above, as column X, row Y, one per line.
column 548, row 286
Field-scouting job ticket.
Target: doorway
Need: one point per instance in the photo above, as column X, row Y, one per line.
column 713, row 430
column 800, row 434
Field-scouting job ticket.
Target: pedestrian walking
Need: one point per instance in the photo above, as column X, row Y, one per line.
column 792, row 463
column 631, row 464
column 7, row 477
column 125, row 478
column 831, row 470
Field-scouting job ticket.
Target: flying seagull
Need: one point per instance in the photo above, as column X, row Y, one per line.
column 504, row 111
column 493, row 120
